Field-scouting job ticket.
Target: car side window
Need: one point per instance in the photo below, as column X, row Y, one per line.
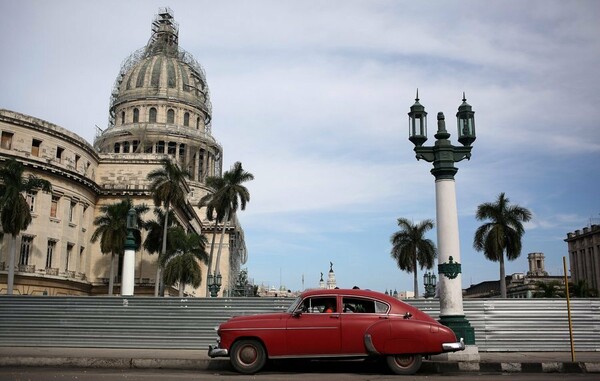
column 364, row 306
column 381, row 308
column 317, row 305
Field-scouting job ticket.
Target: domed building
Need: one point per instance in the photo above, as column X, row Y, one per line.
column 160, row 107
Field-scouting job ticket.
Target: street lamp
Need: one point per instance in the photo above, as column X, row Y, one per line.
column 214, row 284
column 443, row 155
column 430, row 281
column 127, row 282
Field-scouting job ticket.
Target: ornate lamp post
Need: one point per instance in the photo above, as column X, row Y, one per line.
column 214, row 284
column 443, row 155
column 127, row 283
column 430, row 281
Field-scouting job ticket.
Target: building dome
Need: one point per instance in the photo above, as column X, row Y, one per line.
column 160, row 104
column 162, row 71
column 159, row 76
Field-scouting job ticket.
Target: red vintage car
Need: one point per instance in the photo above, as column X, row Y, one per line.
column 336, row 324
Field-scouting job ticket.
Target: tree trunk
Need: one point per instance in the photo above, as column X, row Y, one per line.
column 12, row 250
column 181, row 287
column 157, row 282
column 225, row 223
column 111, row 274
column 163, row 252
column 210, row 256
column 415, row 280
column 502, row 277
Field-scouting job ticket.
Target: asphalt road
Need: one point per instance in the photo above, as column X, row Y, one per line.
column 70, row 374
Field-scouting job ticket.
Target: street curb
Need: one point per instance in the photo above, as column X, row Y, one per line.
column 223, row 364
column 510, row 367
column 114, row 363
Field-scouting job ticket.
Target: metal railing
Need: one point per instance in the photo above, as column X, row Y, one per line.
column 147, row 322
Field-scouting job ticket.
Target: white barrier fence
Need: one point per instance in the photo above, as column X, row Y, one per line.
column 145, row 322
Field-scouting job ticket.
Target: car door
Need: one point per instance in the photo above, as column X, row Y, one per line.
column 314, row 328
column 358, row 314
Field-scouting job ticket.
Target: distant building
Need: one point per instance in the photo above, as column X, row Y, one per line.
column 406, row 294
column 400, row 294
column 518, row 285
column 274, row 292
column 331, row 282
column 584, row 255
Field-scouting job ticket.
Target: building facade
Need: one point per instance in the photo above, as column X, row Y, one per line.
column 160, row 107
column 584, row 255
column 518, row 285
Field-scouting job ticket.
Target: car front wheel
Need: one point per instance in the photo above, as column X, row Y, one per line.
column 248, row 356
column 404, row 364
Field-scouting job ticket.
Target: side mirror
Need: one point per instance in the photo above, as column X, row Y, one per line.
column 407, row 315
column 297, row 313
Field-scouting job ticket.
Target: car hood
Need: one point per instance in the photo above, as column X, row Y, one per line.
column 253, row 319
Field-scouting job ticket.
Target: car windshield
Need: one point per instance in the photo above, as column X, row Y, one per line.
column 294, row 305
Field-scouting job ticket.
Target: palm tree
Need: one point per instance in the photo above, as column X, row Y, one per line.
column 166, row 187
column 112, row 231
column 229, row 197
column 411, row 249
column 548, row 290
column 181, row 262
column 581, row 290
column 155, row 230
column 211, row 203
column 502, row 234
column 15, row 213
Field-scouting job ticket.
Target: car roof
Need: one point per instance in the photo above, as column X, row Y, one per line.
column 349, row 292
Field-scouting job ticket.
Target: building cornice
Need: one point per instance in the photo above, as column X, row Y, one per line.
column 45, row 127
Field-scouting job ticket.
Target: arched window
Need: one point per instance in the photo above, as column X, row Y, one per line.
column 125, row 147
column 136, row 115
column 171, row 116
column 152, row 118
column 198, row 123
column 122, row 117
column 186, row 119
column 117, row 148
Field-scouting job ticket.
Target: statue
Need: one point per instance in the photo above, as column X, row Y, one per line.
column 330, row 267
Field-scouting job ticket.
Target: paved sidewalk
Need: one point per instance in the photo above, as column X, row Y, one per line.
column 509, row 362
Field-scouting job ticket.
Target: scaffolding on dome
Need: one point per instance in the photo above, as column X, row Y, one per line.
column 164, row 38
column 165, row 33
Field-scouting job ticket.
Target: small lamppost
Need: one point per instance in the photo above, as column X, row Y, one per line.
column 430, row 281
column 127, row 283
column 214, row 284
column 443, row 155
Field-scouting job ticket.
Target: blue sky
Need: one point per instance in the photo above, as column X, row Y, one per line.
column 312, row 97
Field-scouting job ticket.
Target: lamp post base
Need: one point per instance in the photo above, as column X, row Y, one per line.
column 461, row 327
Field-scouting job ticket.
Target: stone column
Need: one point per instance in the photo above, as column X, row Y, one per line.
column 451, row 303
column 128, row 279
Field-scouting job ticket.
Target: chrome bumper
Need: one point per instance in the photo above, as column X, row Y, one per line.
column 215, row 351
column 454, row 347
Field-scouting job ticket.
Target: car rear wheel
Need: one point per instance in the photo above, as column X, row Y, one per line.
column 404, row 364
column 248, row 356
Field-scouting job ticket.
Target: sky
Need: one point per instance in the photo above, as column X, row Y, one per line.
column 312, row 97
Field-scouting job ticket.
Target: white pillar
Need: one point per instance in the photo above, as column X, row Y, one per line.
column 451, row 302
column 127, row 281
